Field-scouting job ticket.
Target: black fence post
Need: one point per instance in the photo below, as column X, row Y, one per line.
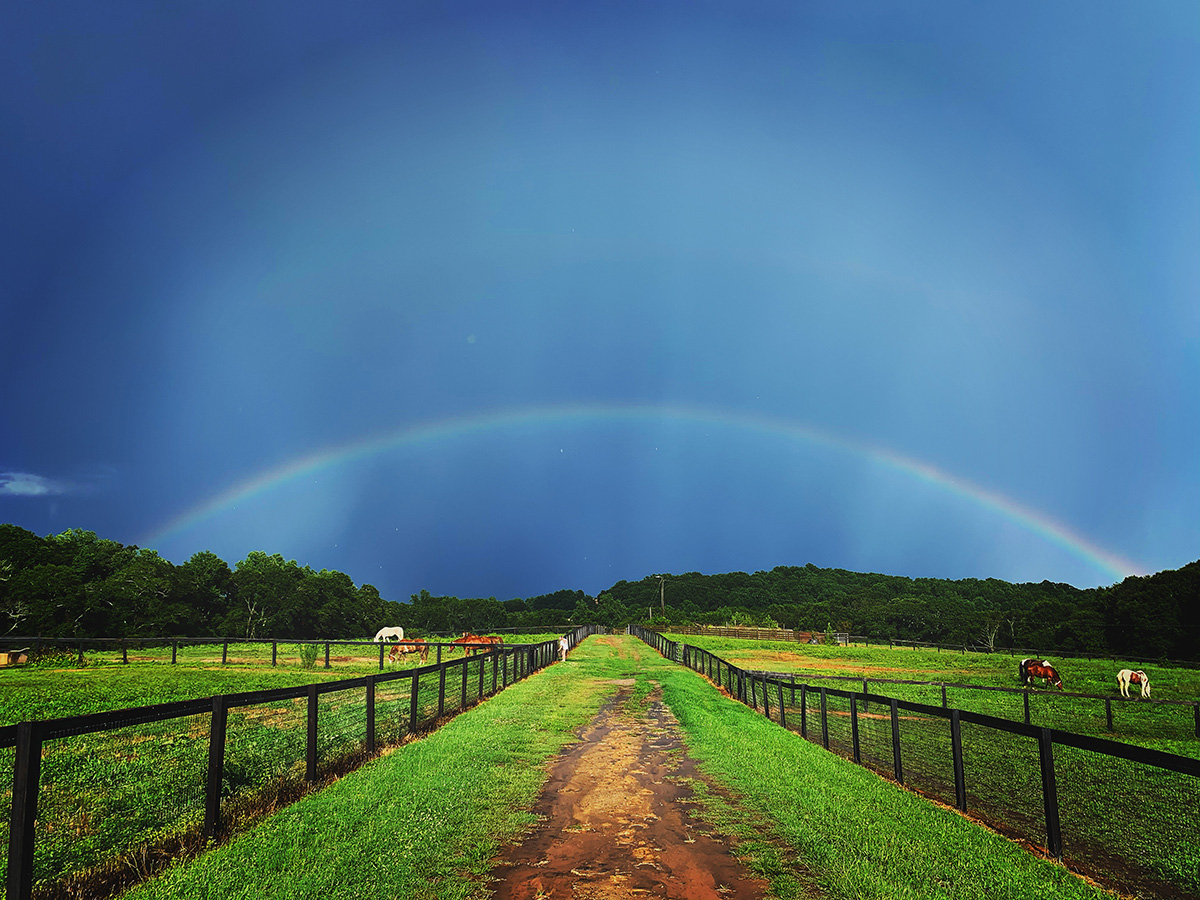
column 274, row 653
column 327, row 654
column 26, row 781
column 310, row 750
column 496, row 669
column 782, row 714
column 370, row 714
column 854, row 728
column 482, row 665
column 960, row 781
column 174, row 650
column 216, row 768
column 896, row 764
column 943, row 695
column 1050, row 794
column 462, row 701
column 824, row 720
column 766, row 695
column 864, row 695
column 124, row 652
column 1026, row 698
column 225, row 653
column 412, row 703
column 1108, row 713
column 442, row 689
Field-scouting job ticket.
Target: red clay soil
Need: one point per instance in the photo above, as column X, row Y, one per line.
column 618, row 821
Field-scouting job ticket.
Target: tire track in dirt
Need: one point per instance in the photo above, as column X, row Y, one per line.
column 617, row 821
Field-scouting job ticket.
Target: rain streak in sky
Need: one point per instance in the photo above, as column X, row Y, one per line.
column 493, row 299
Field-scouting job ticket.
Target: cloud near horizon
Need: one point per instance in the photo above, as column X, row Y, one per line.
column 26, row 484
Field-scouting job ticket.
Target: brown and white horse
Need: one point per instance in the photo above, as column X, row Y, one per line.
column 1126, row 677
column 1039, row 668
column 412, row 645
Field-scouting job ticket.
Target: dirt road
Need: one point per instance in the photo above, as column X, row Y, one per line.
column 618, row 822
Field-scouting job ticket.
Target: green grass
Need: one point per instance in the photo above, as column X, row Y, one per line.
column 1123, row 821
column 855, row 834
column 1161, row 727
column 426, row 820
column 104, row 683
column 423, row 821
column 124, row 790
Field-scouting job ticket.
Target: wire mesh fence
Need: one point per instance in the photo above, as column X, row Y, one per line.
column 1079, row 713
column 97, row 800
column 1124, row 814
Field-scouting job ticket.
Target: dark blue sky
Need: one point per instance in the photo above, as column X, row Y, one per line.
column 492, row 299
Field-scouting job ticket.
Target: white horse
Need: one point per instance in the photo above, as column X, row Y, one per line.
column 1126, row 677
column 563, row 646
column 389, row 634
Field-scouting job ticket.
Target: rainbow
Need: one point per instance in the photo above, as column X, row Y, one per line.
column 456, row 428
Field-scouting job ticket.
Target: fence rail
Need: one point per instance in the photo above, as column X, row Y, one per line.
column 32, row 646
column 1121, row 813
column 1192, row 729
column 844, row 639
column 89, row 793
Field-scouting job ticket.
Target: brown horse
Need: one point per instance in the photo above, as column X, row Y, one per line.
column 1039, row 668
column 474, row 643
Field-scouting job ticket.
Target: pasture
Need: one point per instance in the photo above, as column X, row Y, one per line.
column 425, row 819
column 61, row 687
column 1159, row 727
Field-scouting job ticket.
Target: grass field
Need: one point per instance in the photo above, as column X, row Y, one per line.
column 104, row 795
column 425, row 819
column 1161, row 727
column 1128, row 822
column 104, row 682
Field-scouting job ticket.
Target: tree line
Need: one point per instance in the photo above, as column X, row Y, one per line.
column 76, row 584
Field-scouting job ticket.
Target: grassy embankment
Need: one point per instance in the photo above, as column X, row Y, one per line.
column 425, row 820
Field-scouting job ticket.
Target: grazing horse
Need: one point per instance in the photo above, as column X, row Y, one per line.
column 563, row 646
column 1126, row 677
column 1038, row 668
column 403, row 648
column 389, row 634
column 472, row 642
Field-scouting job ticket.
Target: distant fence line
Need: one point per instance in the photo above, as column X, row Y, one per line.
column 34, row 645
column 1120, row 812
column 187, row 769
column 844, row 639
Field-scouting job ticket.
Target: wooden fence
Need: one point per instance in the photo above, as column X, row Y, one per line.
column 186, row 746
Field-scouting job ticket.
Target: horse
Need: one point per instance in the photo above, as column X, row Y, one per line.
column 389, row 634
column 1126, row 677
column 413, row 645
column 472, row 641
column 563, row 646
column 1038, row 668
